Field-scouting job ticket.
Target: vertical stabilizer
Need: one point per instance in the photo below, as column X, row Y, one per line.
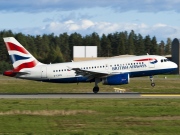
column 20, row 57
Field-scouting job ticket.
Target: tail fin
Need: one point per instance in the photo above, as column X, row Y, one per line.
column 20, row 57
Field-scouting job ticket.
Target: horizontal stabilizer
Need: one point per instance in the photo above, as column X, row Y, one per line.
column 12, row 73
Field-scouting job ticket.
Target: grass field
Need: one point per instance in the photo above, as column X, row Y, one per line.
column 90, row 116
column 142, row 84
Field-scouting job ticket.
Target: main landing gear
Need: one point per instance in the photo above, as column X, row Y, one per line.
column 96, row 88
column 152, row 82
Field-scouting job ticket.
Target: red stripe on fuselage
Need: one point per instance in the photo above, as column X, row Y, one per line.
column 26, row 65
column 147, row 59
column 12, row 47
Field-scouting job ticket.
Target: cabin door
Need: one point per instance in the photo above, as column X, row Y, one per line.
column 152, row 63
column 43, row 72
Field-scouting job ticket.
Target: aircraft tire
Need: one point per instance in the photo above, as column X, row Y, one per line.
column 96, row 90
column 152, row 84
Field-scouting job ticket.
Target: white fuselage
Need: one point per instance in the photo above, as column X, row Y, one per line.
column 136, row 66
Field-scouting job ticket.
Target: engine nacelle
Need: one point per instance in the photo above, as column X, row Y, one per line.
column 118, row 79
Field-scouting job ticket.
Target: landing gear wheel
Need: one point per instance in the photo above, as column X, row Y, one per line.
column 95, row 89
column 152, row 84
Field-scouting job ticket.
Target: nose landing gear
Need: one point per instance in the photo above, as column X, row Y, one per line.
column 152, row 82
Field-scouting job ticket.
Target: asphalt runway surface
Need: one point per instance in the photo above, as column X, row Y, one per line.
column 89, row 95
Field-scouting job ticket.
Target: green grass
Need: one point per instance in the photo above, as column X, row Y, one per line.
column 142, row 84
column 90, row 116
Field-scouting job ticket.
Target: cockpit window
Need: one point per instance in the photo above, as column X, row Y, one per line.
column 164, row 60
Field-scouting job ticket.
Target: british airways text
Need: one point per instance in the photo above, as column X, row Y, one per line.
column 129, row 67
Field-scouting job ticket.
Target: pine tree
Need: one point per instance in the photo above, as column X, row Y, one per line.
column 22, row 39
column 106, row 46
column 168, row 47
column 95, row 41
column 122, row 42
column 64, row 45
column 131, row 43
column 75, row 39
column 140, row 46
column 154, row 47
column 147, row 44
column 115, row 43
column 32, row 48
column 161, row 49
column 126, row 42
column 58, row 55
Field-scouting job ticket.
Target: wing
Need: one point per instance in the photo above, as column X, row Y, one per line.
column 89, row 74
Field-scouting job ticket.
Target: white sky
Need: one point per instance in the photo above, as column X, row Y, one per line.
column 160, row 18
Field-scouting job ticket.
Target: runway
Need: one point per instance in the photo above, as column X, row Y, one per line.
column 89, row 95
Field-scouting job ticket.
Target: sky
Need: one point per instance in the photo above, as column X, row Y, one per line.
column 159, row 18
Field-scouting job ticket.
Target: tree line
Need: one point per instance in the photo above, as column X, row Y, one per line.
column 50, row 48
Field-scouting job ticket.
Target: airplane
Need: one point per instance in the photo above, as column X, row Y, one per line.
column 110, row 71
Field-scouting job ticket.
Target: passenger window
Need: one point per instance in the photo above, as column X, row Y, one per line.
column 161, row 60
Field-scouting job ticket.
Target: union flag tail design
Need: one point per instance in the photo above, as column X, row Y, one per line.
column 20, row 57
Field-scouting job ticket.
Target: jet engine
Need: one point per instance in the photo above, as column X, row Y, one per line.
column 117, row 79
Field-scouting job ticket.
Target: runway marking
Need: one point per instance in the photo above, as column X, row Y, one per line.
column 160, row 95
column 89, row 95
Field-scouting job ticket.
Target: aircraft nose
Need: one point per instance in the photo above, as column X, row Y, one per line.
column 174, row 65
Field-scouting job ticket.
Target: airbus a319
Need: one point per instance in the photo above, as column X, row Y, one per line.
column 111, row 71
